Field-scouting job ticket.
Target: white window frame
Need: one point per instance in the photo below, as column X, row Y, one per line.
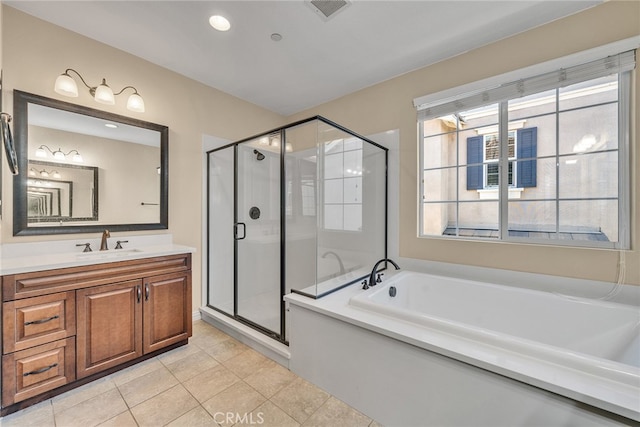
column 624, row 183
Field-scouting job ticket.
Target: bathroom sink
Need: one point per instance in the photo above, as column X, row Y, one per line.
column 113, row 253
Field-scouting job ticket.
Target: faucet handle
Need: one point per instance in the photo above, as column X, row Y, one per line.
column 119, row 243
column 379, row 278
column 365, row 285
column 87, row 247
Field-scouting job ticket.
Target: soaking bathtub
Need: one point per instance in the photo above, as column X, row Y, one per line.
column 582, row 349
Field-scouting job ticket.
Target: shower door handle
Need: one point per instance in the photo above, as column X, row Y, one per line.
column 236, row 230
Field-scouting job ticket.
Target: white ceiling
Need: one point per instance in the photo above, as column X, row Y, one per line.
column 366, row 43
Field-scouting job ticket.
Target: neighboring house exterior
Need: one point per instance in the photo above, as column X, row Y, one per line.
column 563, row 166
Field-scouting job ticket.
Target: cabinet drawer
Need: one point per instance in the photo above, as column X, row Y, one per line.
column 36, row 370
column 38, row 320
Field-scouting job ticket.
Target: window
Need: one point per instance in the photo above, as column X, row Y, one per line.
column 547, row 164
column 343, row 184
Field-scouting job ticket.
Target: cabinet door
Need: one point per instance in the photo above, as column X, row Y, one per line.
column 167, row 310
column 109, row 326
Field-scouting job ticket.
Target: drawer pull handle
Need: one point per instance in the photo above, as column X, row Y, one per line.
column 40, row 371
column 138, row 293
column 38, row 322
column 146, row 292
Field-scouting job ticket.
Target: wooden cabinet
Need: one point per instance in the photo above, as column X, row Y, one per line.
column 109, row 326
column 28, row 373
column 32, row 321
column 167, row 310
column 75, row 324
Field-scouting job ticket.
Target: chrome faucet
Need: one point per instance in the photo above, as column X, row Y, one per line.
column 103, row 242
column 372, row 277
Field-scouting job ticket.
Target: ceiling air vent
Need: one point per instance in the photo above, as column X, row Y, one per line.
column 327, row 9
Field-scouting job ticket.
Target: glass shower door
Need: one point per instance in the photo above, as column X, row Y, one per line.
column 258, row 236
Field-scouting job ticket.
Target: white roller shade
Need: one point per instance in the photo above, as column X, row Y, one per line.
column 561, row 77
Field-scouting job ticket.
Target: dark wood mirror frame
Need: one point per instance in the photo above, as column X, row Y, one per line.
column 21, row 227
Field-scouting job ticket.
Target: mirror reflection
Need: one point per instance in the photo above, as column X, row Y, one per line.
column 61, row 192
column 86, row 170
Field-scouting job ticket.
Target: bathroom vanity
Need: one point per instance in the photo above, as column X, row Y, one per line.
column 63, row 327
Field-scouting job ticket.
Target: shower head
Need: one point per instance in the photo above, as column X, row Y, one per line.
column 258, row 154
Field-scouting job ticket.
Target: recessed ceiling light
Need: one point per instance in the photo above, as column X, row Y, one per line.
column 220, row 23
column 276, row 37
column 111, row 125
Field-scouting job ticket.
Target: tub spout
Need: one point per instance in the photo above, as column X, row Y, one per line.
column 342, row 270
column 372, row 276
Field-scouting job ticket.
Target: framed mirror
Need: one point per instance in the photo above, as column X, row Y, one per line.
column 84, row 170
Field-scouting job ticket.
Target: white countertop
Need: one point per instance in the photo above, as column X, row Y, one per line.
column 37, row 256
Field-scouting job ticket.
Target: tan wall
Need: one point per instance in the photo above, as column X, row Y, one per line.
column 389, row 106
column 36, row 52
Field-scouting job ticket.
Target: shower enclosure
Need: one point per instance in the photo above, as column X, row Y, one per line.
column 297, row 209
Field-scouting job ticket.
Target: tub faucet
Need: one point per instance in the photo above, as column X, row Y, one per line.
column 326, row 254
column 372, row 276
column 103, row 242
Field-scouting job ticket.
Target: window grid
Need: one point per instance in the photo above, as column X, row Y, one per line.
column 343, row 180
column 558, row 156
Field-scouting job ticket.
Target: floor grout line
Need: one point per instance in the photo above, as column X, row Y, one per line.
column 244, row 363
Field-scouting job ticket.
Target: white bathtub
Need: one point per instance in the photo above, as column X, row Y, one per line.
column 598, row 341
column 495, row 355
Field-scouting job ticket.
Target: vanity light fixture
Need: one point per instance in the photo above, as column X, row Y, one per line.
column 66, row 85
column 44, row 173
column 58, row 154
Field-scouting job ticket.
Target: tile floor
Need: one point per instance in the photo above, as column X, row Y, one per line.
column 213, row 381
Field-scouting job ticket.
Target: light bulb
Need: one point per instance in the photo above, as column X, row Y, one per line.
column 40, row 152
column 58, row 155
column 78, row 158
column 65, row 85
column 220, row 23
column 135, row 103
column 104, row 94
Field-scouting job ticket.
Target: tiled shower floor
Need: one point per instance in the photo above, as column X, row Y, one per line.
column 214, row 380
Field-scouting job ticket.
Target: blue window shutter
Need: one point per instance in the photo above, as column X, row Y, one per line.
column 527, row 148
column 474, row 155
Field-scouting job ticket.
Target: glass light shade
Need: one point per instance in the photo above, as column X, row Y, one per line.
column 78, row 158
column 44, row 174
column 104, row 94
column 288, row 147
column 58, row 155
column 41, row 153
column 32, row 173
column 66, row 86
column 135, row 103
column 56, row 175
